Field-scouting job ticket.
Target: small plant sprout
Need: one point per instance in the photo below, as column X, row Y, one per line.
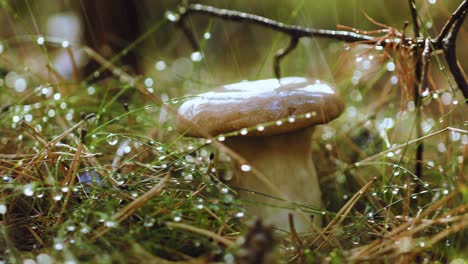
column 281, row 152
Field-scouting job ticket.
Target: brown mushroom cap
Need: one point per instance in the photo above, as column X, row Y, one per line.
column 248, row 104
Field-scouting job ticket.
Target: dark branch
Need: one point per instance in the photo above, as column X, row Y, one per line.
column 426, row 59
column 456, row 16
column 418, row 86
column 414, row 17
column 282, row 53
column 445, row 41
column 188, row 33
column 292, row 30
column 449, row 48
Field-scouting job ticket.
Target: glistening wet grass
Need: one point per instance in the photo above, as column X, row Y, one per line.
column 87, row 178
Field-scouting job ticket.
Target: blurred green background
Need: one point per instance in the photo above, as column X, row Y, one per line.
column 234, row 51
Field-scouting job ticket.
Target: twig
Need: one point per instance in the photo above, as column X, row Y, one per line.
column 414, row 17
column 295, row 237
column 456, row 16
column 444, row 41
column 205, row 232
column 188, row 33
column 292, row 30
column 282, row 53
column 449, row 47
column 417, row 87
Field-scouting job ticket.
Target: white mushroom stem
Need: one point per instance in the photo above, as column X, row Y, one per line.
column 286, row 160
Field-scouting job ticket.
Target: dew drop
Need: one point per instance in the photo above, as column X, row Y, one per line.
column 244, row 131
column 127, row 149
column 91, row 90
column 110, row 224
column 44, row 259
column 51, row 113
column 279, row 123
column 149, row 82
column 441, row 147
column 246, row 167
column 261, row 128
column 160, row 65
column 196, row 56
column 455, row 136
column 57, row 96
column 28, row 118
column 425, row 93
column 58, row 246
column 291, row 119
column 112, row 139
column 221, row 138
column 177, row 218
column 28, row 190
column 20, row 85
column 239, row 214
column 40, row 40
column 57, row 197
column 446, row 98
column 3, row 209
column 171, row 16
column 188, row 177
column 149, row 222
column 356, row 240
column 65, row 44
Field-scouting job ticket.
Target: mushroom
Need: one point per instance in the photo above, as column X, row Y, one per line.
column 275, row 119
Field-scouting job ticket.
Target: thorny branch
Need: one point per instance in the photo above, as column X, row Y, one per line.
column 445, row 41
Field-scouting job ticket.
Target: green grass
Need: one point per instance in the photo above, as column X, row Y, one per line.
column 156, row 195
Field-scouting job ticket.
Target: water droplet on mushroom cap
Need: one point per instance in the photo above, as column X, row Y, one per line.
column 249, row 104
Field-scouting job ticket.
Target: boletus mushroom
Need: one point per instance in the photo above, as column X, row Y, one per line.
column 281, row 150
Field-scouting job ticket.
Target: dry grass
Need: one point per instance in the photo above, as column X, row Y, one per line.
column 85, row 179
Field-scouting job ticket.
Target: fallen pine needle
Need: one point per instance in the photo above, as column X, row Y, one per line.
column 205, row 232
